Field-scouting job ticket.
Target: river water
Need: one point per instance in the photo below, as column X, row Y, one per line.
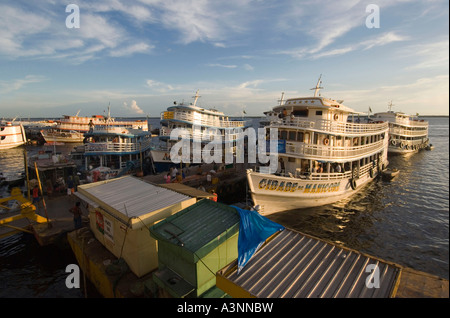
column 405, row 221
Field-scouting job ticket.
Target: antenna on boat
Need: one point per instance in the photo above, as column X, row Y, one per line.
column 318, row 87
column 390, row 106
column 281, row 99
column 78, row 113
column 196, row 97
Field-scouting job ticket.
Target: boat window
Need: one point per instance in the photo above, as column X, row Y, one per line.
column 318, row 113
column 292, row 135
column 3, row 137
column 283, row 134
column 300, row 113
column 300, row 136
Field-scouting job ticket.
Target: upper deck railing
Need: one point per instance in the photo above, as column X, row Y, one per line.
column 117, row 147
column 329, row 126
column 321, row 152
column 202, row 119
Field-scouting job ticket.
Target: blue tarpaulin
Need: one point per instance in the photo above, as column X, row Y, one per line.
column 254, row 229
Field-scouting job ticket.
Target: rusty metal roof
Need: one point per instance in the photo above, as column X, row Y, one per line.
column 293, row 265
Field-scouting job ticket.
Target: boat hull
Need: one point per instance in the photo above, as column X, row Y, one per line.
column 12, row 136
column 276, row 194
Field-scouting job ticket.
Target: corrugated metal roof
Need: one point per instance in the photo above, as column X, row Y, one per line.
column 131, row 196
column 197, row 225
column 296, row 266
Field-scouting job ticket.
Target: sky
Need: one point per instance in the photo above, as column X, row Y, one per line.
column 139, row 56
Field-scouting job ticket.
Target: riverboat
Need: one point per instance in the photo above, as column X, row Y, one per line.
column 110, row 151
column 407, row 133
column 323, row 155
column 201, row 124
column 72, row 128
column 11, row 135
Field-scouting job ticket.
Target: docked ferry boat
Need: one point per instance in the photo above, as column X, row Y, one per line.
column 11, row 135
column 112, row 150
column 407, row 133
column 323, row 155
column 199, row 122
column 72, row 128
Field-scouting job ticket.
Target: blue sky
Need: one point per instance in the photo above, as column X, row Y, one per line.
column 139, row 56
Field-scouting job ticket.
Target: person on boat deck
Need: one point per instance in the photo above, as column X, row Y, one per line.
column 284, row 112
column 338, row 167
column 281, row 162
column 167, row 177
column 91, row 126
column 173, row 172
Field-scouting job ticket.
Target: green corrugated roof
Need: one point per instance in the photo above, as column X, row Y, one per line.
column 200, row 227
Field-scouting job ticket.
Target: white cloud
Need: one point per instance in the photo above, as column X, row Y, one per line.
column 17, row 84
column 133, row 108
column 159, row 86
column 132, row 49
column 222, row 65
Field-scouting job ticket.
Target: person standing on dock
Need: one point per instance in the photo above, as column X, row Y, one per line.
column 36, row 196
column 76, row 211
column 70, row 186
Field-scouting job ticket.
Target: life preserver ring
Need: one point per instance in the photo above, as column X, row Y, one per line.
column 407, row 147
column 336, row 116
column 402, row 145
column 371, row 172
column 393, row 142
column 326, row 141
column 353, row 184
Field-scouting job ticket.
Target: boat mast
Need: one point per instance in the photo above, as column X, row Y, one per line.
column 281, row 100
column 196, row 97
column 318, row 87
column 390, row 106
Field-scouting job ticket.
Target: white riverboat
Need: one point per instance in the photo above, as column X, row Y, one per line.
column 323, row 156
column 11, row 135
column 72, row 128
column 113, row 150
column 407, row 133
column 202, row 124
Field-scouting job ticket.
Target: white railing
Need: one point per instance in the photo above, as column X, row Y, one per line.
column 408, row 132
column 332, row 152
column 202, row 119
column 322, row 176
column 116, row 147
column 332, row 126
column 198, row 134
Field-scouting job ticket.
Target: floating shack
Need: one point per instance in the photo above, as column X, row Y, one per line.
column 193, row 245
column 120, row 212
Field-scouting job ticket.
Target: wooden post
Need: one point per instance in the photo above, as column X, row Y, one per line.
column 42, row 193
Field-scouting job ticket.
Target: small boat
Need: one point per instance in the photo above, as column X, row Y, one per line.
column 390, row 173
